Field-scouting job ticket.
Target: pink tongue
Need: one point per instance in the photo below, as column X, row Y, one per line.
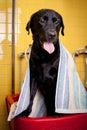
column 49, row 47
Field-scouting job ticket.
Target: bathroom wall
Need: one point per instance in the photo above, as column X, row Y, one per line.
column 74, row 14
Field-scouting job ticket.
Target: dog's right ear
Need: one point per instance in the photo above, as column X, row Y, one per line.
column 28, row 27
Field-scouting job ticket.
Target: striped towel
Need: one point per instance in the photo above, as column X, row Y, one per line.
column 70, row 97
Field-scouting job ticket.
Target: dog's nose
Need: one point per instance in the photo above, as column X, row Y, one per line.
column 52, row 34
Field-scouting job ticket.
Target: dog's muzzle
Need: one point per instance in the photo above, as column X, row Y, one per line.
column 51, row 35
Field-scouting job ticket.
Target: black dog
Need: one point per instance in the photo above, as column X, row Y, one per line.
column 44, row 59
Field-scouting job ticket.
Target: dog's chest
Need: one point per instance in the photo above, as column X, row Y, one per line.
column 49, row 77
column 50, row 70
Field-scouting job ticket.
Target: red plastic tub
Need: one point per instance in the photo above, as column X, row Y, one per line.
column 71, row 122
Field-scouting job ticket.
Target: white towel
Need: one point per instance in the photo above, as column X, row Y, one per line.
column 70, row 97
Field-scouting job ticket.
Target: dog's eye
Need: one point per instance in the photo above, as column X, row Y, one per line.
column 55, row 20
column 45, row 18
column 41, row 20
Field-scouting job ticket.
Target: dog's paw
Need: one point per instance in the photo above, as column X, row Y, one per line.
column 25, row 113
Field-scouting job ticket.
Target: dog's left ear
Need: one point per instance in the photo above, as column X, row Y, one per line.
column 62, row 25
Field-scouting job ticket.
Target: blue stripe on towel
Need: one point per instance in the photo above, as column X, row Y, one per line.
column 62, row 88
column 76, row 91
column 66, row 96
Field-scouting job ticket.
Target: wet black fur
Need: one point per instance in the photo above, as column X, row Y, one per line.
column 45, row 25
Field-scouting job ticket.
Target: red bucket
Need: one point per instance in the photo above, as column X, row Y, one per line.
column 71, row 122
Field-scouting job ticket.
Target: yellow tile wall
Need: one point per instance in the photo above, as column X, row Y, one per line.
column 75, row 19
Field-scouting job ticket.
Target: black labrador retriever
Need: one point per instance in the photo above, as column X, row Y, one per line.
column 45, row 25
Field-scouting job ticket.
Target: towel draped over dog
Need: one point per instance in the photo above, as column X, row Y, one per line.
column 70, row 96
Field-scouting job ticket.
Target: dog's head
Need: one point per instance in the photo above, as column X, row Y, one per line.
column 45, row 25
